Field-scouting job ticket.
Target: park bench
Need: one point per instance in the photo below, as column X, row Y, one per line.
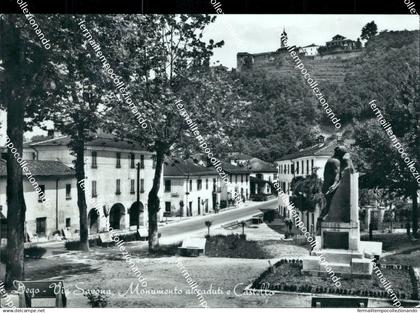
column 192, row 247
column 339, row 302
column 105, row 240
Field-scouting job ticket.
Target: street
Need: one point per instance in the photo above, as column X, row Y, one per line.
column 179, row 230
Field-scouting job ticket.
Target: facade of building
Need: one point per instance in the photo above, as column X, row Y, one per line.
column 262, row 174
column 239, row 183
column 190, row 189
column 339, row 41
column 111, row 179
column 56, row 208
column 310, row 50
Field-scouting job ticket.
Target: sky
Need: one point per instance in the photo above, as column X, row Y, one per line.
column 261, row 33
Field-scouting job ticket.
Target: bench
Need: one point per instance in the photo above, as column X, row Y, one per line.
column 53, row 289
column 105, row 240
column 341, row 302
column 192, row 247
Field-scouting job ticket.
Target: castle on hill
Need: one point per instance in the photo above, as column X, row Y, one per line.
column 339, row 48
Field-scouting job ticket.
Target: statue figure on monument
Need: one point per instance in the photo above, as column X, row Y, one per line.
column 333, row 172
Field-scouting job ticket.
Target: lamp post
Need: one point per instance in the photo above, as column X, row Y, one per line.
column 138, row 195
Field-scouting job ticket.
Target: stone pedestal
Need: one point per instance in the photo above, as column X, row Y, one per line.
column 340, row 247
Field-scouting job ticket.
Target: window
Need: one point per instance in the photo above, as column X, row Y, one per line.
column 190, row 184
column 94, row 159
column 230, row 178
column 236, row 178
column 214, row 184
column 41, row 195
column 68, row 222
column 167, row 207
column 199, row 184
column 132, row 160
column 142, row 161
column 288, row 169
column 142, row 185
column 292, row 168
column 167, row 185
column 297, row 167
column 207, row 184
column 246, row 178
column 242, row 178
column 275, row 176
column 307, row 166
column 33, row 156
column 68, row 191
column 302, row 167
column 118, row 154
column 94, row 193
column 118, row 187
column 41, row 226
column 280, row 169
column 312, row 165
column 154, row 161
column 132, row 186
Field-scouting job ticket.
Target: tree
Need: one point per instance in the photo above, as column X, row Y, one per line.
column 383, row 166
column 307, row 193
column 208, row 225
column 167, row 67
column 23, row 59
column 369, row 30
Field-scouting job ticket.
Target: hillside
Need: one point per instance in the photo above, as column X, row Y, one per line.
column 286, row 116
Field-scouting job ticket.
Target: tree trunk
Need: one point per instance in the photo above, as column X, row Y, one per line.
column 14, row 63
column 81, row 197
column 153, row 202
column 414, row 215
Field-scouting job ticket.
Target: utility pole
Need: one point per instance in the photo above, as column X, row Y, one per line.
column 138, row 195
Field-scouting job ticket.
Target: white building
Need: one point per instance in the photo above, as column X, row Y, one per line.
column 58, row 211
column 239, row 183
column 190, row 189
column 111, row 178
column 310, row 50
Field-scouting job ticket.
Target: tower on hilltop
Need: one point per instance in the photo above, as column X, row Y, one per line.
column 283, row 35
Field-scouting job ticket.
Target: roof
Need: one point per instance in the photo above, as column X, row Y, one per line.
column 100, row 141
column 234, row 169
column 177, row 167
column 257, row 165
column 42, row 168
column 338, row 37
column 323, row 149
column 311, row 45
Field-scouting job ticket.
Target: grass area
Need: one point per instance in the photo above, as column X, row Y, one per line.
column 409, row 258
column 288, row 277
column 392, row 241
column 232, row 246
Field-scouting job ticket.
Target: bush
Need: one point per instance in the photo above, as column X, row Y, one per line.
column 97, row 299
column 242, row 236
column 35, row 252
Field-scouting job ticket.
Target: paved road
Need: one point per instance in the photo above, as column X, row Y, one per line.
column 197, row 224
